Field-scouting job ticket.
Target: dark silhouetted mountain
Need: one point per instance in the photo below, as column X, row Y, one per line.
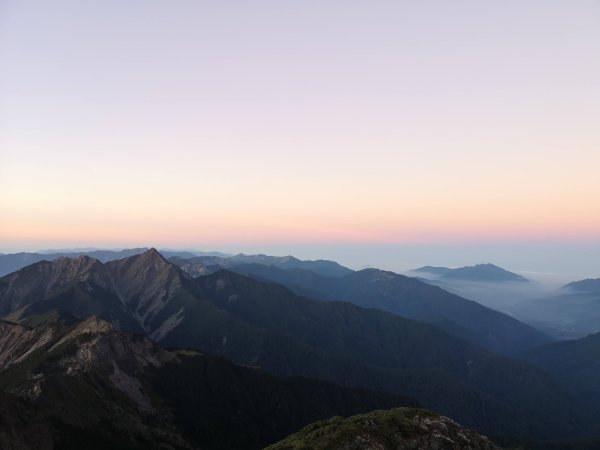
column 574, row 363
column 416, row 300
column 264, row 324
column 395, row 429
column 407, row 297
column 320, row 266
column 73, row 385
column 204, row 265
column 479, row 272
column 79, row 285
column 573, row 311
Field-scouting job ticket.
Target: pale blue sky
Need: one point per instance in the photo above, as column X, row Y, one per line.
column 220, row 124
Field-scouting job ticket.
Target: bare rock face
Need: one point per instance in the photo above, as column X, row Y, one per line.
column 79, row 380
column 394, row 429
column 129, row 293
column 17, row 341
column 145, row 283
column 92, row 345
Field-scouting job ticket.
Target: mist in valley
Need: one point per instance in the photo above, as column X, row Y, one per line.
column 545, row 301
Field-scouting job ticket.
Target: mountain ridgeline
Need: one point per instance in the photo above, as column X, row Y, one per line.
column 483, row 273
column 203, row 265
column 263, row 324
column 73, row 384
column 398, row 294
column 15, row 261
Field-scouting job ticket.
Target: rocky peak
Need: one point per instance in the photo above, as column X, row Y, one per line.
column 145, row 283
column 102, row 347
column 144, row 267
column 151, row 254
column 90, row 326
column 150, row 257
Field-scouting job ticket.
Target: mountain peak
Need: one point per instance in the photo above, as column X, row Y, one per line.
column 486, row 272
column 150, row 259
column 152, row 253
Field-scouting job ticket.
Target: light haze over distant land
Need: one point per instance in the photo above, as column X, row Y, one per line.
column 389, row 134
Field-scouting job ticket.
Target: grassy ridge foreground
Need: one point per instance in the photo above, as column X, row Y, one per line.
column 394, row 429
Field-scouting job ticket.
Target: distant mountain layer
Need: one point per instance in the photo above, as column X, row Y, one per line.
column 405, row 296
column 396, row 429
column 571, row 312
column 71, row 385
column 264, row 324
column 12, row 262
column 589, row 286
column 479, row 272
column 204, row 265
column 15, row 261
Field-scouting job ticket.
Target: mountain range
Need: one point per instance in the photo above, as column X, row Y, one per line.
column 15, row 261
column 482, row 273
column 202, row 265
column 258, row 323
column 398, row 294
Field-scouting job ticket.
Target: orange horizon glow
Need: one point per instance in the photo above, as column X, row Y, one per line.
column 440, row 124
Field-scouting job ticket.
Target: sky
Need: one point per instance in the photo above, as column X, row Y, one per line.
column 320, row 127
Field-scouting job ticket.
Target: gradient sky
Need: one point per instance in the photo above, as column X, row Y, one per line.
column 279, row 123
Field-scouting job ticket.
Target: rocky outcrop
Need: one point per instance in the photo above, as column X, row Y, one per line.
column 395, row 429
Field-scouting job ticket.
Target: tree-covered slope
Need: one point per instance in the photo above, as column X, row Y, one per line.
column 575, row 363
column 406, row 297
column 69, row 384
